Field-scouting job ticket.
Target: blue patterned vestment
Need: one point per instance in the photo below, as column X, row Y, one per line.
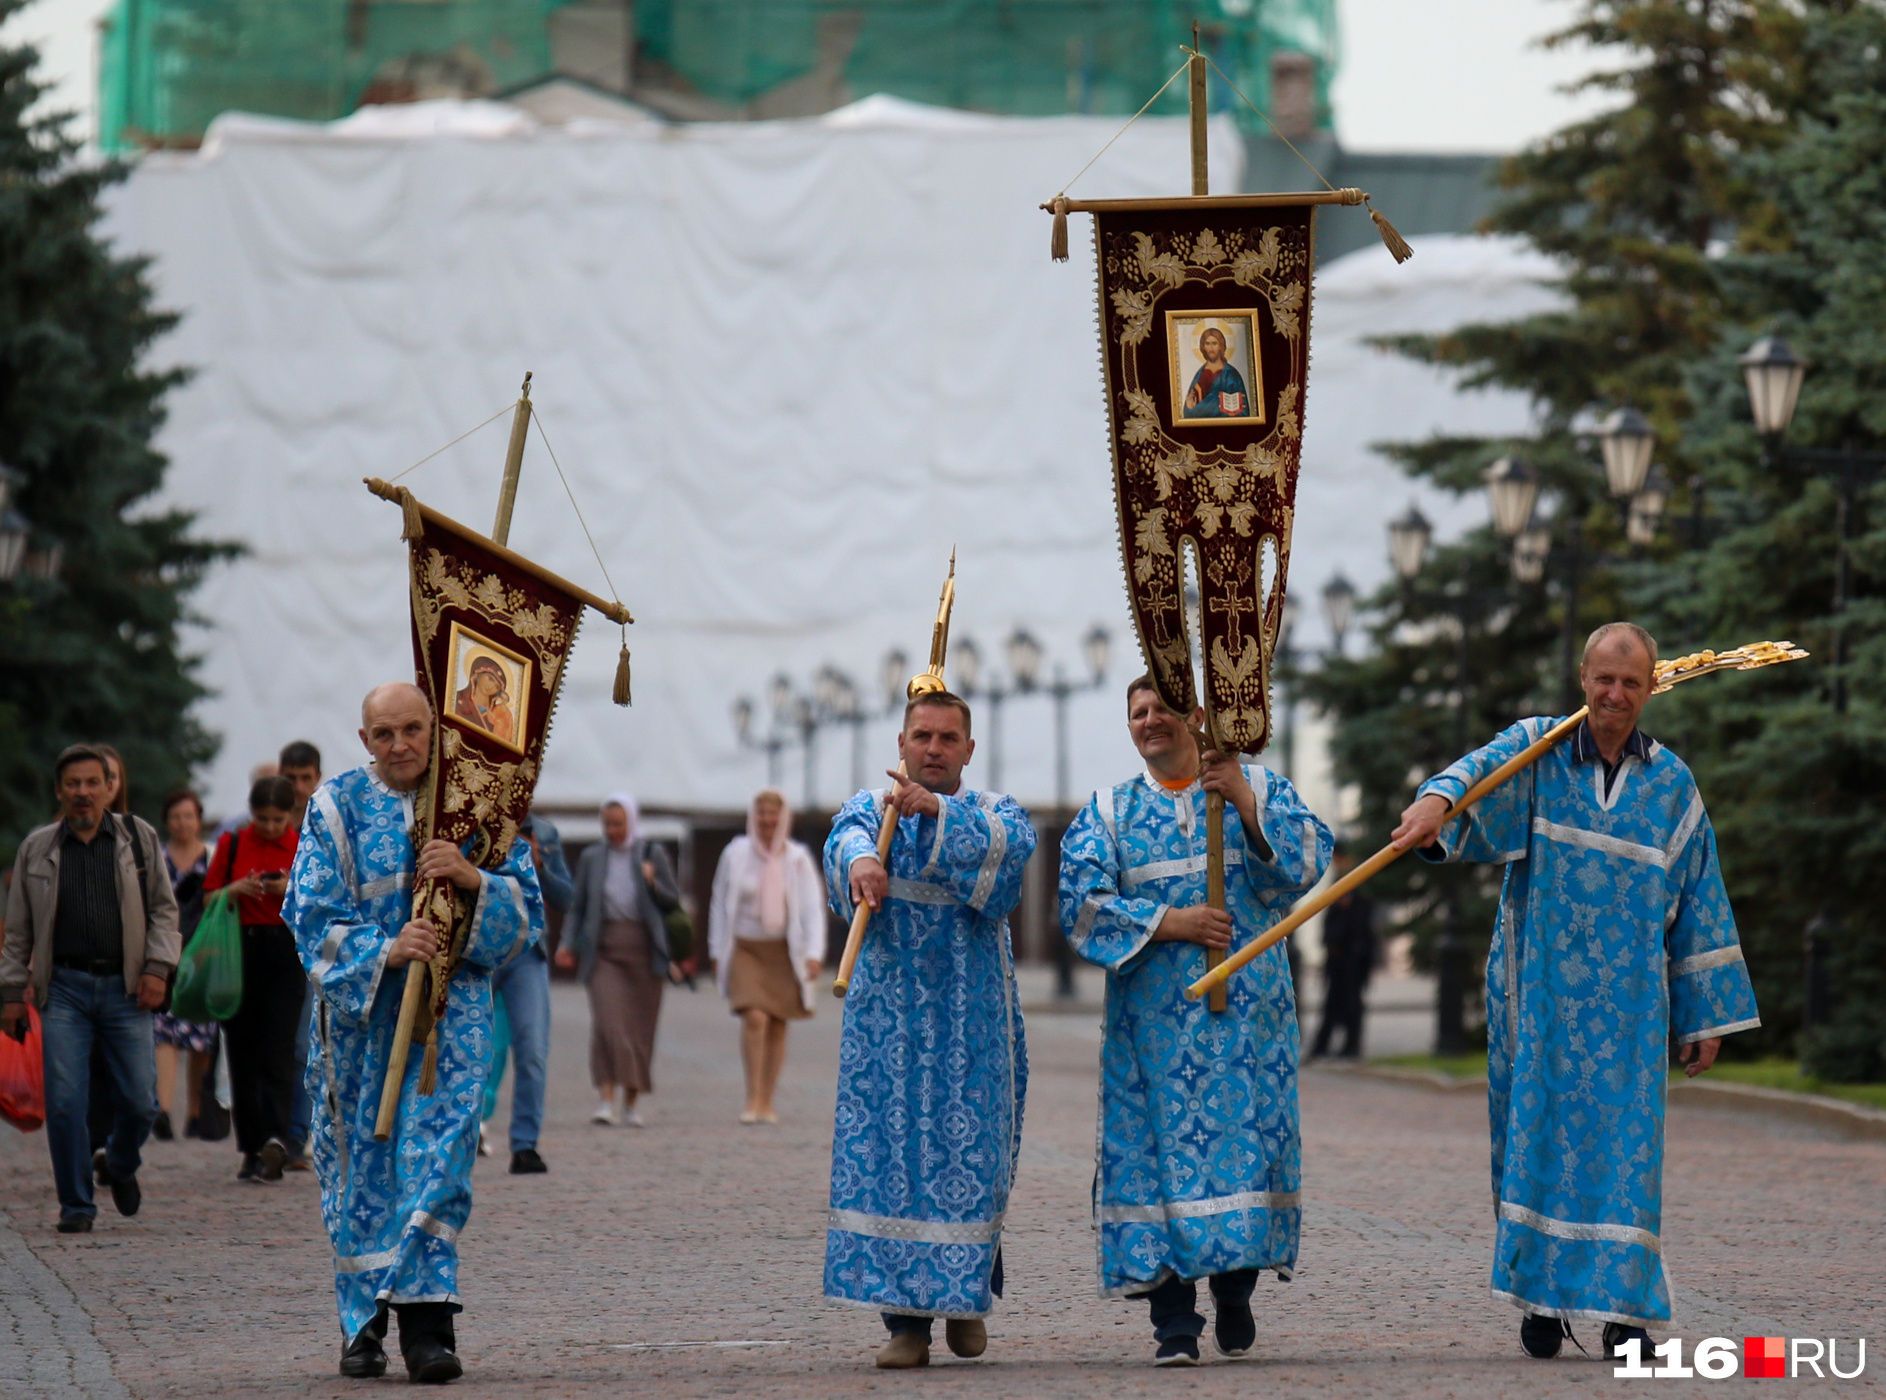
column 1200, row 1156
column 394, row 1209
column 932, row 1067
column 1613, row 930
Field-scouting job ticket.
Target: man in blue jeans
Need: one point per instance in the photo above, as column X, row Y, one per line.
column 522, row 987
column 91, row 936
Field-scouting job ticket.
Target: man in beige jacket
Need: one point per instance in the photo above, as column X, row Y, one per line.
column 91, row 936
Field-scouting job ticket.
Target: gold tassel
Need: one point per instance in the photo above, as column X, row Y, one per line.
column 1397, row 245
column 414, row 526
column 622, row 677
column 1057, row 246
column 429, row 1072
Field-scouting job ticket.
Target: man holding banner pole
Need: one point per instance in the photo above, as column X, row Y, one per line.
column 1200, row 1156
column 1614, row 932
column 932, row 1066
column 393, row 1209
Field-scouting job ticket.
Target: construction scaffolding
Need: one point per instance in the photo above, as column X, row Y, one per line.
column 170, row 66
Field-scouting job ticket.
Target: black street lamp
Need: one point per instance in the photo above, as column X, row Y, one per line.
column 1339, row 609
column 1774, row 375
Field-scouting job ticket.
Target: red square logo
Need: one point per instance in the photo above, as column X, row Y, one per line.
column 1765, row 1358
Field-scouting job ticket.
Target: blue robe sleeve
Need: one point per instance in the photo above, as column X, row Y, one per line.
column 978, row 850
column 1497, row 828
column 854, row 834
column 1301, row 844
column 507, row 912
column 342, row 948
column 1710, row 991
column 1102, row 925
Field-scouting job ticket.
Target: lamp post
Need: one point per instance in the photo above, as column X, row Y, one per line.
column 1774, row 375
column 1409, row 537
column 1626, row 443
column 1339, row 609
column 834, row 699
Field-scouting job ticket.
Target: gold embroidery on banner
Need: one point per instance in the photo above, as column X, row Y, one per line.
column 1224, row 500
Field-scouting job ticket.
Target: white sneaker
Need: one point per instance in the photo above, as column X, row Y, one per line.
column 633, row 1119
column 604, row 1116
column 484, row 1148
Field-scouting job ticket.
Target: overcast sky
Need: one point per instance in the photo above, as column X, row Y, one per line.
column 1417, row 75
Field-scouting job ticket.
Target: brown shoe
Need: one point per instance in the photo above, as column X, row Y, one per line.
column 904, row 1351
column 966, row 1336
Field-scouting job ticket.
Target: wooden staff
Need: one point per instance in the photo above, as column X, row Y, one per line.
column 418, row 974
column 926, row 682
column 861, row 916
column 1667, row 674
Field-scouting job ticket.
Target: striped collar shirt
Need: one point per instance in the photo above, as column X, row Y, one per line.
column 1585, row 750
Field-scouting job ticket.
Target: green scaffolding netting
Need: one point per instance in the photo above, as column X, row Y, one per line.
column 170, row 66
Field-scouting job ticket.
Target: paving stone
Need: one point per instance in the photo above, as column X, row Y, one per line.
column 684, row 1259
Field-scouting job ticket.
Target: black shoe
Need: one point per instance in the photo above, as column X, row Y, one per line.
column 1236, row 1330
column 364, row 1358
column 251, row 1168
column 274, row 1155
column 430, row 1362
column 193, row 1127
column 100, row 1176
column 1177, row 1351
column 75, row 1224
column 1616, row 1334
column 527, row 1162
column 160, row 1127
column 126, row 1194
column 1541, row 1337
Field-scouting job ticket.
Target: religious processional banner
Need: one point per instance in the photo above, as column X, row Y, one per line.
column 1205, row 332
column 491, row 633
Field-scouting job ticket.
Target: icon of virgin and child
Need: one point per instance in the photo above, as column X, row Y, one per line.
column 485, row 700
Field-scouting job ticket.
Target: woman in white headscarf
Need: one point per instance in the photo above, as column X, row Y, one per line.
column 766, row 932
column 617, row 939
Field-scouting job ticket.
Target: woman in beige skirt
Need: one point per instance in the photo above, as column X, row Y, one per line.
column 617, row 939
column 766, row 932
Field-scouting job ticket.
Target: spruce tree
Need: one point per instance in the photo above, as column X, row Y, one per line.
column 92, row 654
column 1632, row 203
column 1798, row 792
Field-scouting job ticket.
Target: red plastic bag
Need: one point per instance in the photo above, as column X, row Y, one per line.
column 23, row 1078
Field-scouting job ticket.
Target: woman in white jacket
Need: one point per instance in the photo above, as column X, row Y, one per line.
column 766, row 933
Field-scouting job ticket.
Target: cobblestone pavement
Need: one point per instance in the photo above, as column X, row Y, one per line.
column 684, row 1259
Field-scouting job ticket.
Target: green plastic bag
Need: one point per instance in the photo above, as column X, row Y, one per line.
column 209, row 975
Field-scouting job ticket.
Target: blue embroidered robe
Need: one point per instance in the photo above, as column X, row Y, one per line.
column 932, row 1066
column 1613, row 930
column 393, row 1210
column 1200, row 1157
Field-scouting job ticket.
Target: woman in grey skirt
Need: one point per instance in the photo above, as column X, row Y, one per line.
column 617, row 939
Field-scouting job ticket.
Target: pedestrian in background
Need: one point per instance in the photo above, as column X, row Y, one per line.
column 300, row 764
column 521, row 989
column 253, row 864
column 99, row 1116
column 187, row 863
column 766, row 933
column 625, row 887
column 1348, row 959
column 91, row 937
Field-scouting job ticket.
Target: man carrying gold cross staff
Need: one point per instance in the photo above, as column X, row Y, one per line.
column 1614, row 931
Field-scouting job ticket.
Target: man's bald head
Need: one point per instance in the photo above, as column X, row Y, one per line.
column 398, row 694
column 396, row 727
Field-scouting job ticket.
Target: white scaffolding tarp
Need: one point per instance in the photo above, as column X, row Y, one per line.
column 785, row 366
